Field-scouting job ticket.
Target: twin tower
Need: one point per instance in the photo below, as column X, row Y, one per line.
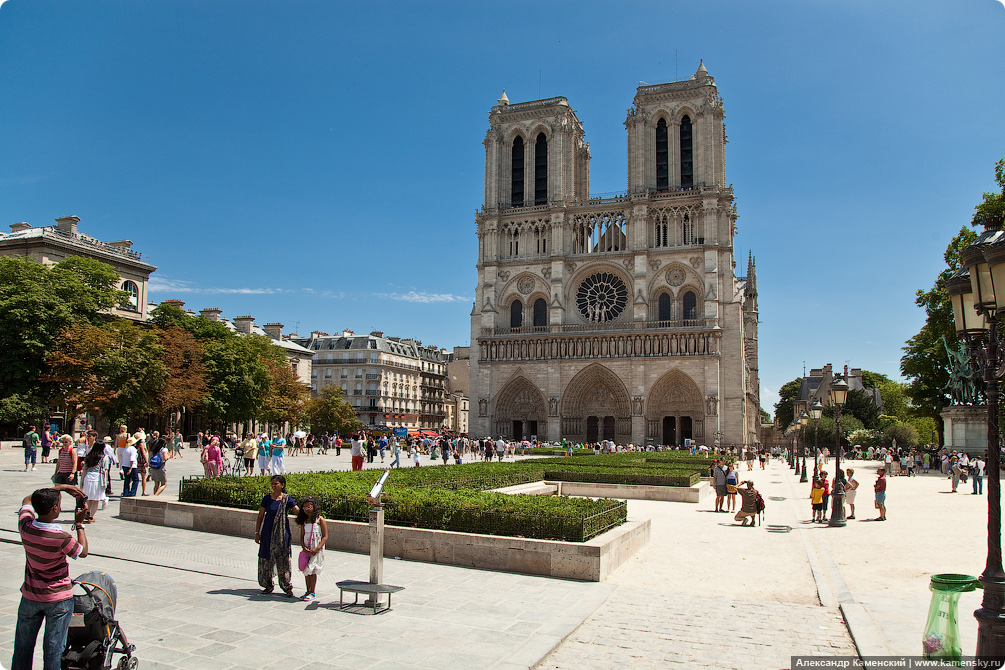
column 614, row 318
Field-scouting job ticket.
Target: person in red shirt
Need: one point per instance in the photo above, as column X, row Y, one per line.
column 880, row 487
column 46, row 594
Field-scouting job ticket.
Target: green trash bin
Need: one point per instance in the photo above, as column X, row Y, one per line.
column 942, row 629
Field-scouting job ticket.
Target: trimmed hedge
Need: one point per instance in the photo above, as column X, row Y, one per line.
column 342, row 496
column 624, row 475
column 459, row 498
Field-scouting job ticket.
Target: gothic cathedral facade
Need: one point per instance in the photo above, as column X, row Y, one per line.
column 614, row 318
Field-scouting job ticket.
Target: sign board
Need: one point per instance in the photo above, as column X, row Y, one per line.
column 688, row 442
column 400, row 431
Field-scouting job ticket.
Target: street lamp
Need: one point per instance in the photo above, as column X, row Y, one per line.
column 975, row 311
column 803, row 420
column 839, row 395
column 816, row 411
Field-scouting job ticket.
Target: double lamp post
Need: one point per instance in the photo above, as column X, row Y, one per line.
column 978, row 297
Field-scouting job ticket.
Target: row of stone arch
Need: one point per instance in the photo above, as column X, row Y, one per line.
column 596, row 391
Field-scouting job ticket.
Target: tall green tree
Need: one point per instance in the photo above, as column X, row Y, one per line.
column 925, row 363
column 861, row 406
column 239, row 377
column 330, row 412
column 287, row 398
column 784, row 408
column 37, row 304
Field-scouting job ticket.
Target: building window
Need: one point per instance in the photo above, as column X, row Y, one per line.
column 541, row 170
column 516, row 169
column 540, row 312
column 686, row 154
column 516, row 314
column 662, row 156
column 131, row 301
column 690, row 305
column 514, row 244
column 664, row 307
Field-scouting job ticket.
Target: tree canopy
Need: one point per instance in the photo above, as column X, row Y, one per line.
column 37, row 304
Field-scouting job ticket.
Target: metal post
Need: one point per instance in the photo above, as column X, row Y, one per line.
column 991, row 615
column 837, row 495
column 376, row 539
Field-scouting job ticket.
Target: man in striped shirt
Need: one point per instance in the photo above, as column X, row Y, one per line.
column 47, row 593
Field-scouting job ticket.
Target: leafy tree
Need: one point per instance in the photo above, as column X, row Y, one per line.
column 239, row 376
column 904, row 433
column 112, row 371
column 784, row 408
column 765, row 417
column 861, row 406
column 186, row 382
column 992, row 206
column 849, row 426
column 37, row 304
column 165, row 315
column 925, row 363
column 330, row 412
column 287, row 398
column 925, row 426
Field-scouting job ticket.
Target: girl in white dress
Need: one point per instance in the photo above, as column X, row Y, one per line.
column 96, row 463
column 313, row 536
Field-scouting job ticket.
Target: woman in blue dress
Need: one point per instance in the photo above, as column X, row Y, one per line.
column 272, row 533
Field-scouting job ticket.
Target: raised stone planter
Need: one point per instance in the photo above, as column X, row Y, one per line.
column 587, row 561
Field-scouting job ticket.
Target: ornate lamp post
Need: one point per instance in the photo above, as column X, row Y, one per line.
column 803, row 420
column 976, row 312
column 816, row 411
column 839, row 395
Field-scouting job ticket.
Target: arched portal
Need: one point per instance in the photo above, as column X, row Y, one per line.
column 596, row 406
column 674, row 410
column 520, row 411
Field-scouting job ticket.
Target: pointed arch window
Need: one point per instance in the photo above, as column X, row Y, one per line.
column 542, row 240
column 664, row 307
column 516, row 314
column 540, row 313
column 514, row 244
column 662, row 156
column 541, row 170
column 690, row 306
column 686, row 154
column 516, row 170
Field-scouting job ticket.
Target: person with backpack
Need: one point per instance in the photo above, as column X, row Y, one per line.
column 748, row 504
column 30, row 442
column 157, row 462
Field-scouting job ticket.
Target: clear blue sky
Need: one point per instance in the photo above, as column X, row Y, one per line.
column 320, row 163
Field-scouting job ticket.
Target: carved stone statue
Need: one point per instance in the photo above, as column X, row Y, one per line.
column 965, row 385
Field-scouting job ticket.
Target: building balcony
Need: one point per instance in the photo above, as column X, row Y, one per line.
column 371, row 392
column 371, row 375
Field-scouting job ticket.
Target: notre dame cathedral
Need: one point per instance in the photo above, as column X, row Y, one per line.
column 614, row 318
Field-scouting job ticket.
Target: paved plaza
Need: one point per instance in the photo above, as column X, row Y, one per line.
column 703, row 593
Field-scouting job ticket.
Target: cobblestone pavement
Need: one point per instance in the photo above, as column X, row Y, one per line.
column 647, row 628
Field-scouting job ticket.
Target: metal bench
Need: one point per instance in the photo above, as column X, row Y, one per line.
column 373, row 590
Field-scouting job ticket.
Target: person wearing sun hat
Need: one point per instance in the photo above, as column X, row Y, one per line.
column 129, row 462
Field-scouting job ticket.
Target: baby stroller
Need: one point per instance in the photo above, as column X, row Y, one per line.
column 95, row 636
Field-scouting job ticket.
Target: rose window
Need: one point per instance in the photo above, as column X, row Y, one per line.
column 602, row 297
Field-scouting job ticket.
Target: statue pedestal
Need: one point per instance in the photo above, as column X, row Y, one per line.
column 966, row 428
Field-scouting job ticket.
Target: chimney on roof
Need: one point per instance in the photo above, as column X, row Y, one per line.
column 376, row 333
column 18, row 227
column 174, row 303
column 275, row 330
column 121, row 244
column 347, row 333
column 68, row 224
column 211, row 313
column 244, row 323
